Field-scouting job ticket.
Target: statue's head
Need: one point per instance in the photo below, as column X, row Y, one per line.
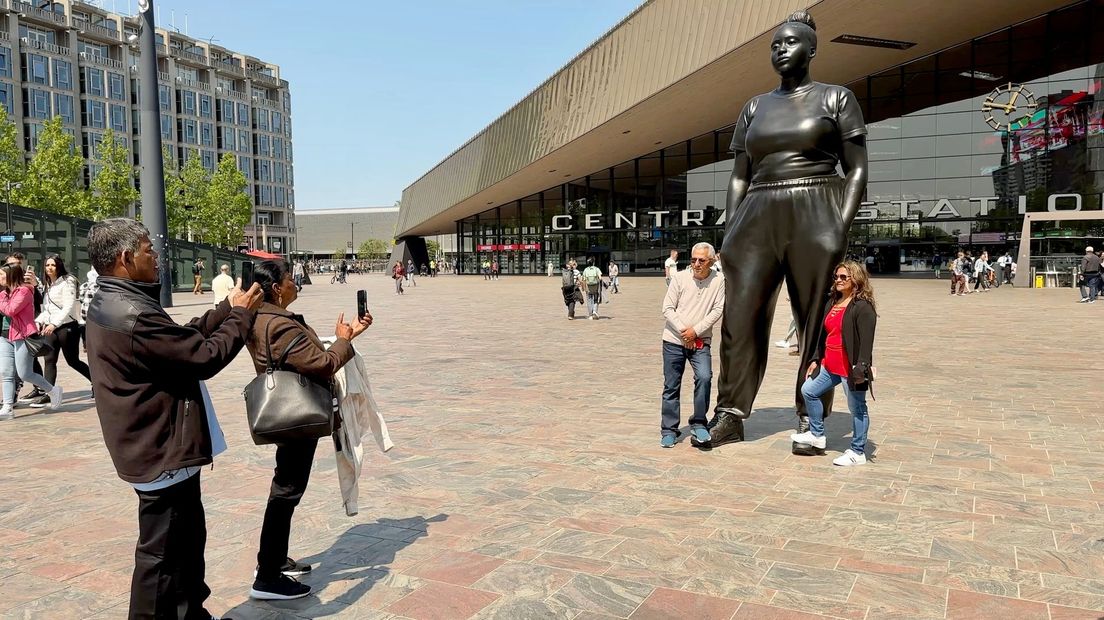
column 794, row 44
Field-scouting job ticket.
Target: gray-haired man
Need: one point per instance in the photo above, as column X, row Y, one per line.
column 154, row 413
column 694, row 303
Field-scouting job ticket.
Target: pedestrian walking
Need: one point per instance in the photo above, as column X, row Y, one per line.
column 397, row 273
column 983, row 272
column 614, row 280
column 197, row 276
column 569, row 287
column 1090, row 270
column 959, row 268
column 494, row 269
column 59, row 319
column 16, row 360
column 592, row 282
column 670, row 267
column 297, row 272
column 410, row 272
column 845, row 354
column 550, row 269
column 433, row 268
column 693, row 305
column 156, row 416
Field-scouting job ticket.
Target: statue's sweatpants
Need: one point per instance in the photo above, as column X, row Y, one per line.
column 790, row 230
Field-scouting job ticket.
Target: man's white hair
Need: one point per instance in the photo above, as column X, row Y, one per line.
column 708, row 247
column 225, row 268
column 1089, row 249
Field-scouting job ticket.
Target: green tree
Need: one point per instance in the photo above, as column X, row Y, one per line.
column 13, row 164
column 373, row 248
column 113, row 188
column 433, row 248
column 53, row 182
column 339, row 253
column 178, row 216
column 226, row 208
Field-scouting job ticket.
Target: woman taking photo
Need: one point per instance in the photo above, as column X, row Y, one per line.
column 17, row 306
column 275, row 329
column 59, row 319
column 845, row 355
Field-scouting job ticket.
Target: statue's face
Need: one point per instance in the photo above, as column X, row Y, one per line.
column 792, row 48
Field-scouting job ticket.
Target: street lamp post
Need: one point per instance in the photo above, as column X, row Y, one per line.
column 8, row 203
column 151, row 174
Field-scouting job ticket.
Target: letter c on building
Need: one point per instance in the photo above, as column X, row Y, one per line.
column 556, row 222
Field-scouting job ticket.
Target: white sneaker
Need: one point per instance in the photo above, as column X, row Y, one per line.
column 850, row 459
column 55, row 397
column 6, row 412
column 809, row 438
column 782, row 344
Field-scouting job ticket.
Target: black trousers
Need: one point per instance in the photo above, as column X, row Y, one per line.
column 289, row 482
column 168, row 561
column 792, row 230
column 66, row 341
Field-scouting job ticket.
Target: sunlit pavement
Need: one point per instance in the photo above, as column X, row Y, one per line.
column 527, row 479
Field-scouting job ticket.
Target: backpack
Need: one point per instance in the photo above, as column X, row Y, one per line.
column 196, row 270
column 592, row 276
column 568, row 278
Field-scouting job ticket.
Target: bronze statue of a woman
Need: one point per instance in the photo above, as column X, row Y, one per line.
column 787, row 216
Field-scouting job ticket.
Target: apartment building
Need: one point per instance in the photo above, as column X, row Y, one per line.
column 79, row 61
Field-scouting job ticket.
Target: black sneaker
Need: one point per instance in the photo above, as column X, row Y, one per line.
column 291, row 568
column 283, row 588
column 39, row 402
column 30, row 397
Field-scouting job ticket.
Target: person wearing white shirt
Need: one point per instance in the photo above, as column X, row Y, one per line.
column 222, row 284
column 670, row 267
column 59, row 320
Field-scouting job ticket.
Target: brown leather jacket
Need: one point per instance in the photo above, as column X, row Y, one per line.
column 309, row 357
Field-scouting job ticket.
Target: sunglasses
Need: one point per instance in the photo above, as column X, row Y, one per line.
column 699, row 260
column 843, row 277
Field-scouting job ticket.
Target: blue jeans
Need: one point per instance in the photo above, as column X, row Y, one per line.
column 592, row 301
column 821, row 384
column 16, row 360
column 674, row 363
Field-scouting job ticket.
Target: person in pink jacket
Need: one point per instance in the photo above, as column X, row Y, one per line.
column 17, row 306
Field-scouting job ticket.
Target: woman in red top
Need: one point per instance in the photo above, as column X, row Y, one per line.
column 397, row 273
column 845, row 356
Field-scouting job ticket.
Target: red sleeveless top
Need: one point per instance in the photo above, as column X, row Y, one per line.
column 835, row 358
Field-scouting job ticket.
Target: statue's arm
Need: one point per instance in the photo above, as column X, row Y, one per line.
column 855, row 170
column 737, row 186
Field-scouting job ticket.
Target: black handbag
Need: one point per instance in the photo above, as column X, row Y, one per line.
column 284, row 406
column 38, row 345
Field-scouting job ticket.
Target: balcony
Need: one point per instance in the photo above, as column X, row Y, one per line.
column 96, row 59
column 270, row 229
column 162, row 49
column 189, row 56
column 164, row 77
column 33, row 13
column 25, row 44
column 225, row 67
column 97, row 31
column 4, row 36
column 235, row 94
column 264, row 78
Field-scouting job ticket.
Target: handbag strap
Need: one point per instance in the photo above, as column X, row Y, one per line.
column 270, row 366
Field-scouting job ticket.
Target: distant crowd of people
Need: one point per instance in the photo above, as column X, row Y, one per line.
column 971, row 275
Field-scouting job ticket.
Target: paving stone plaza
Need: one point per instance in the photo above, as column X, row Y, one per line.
column 527, row 480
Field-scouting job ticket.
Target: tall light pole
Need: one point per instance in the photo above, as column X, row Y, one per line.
column 151, row 174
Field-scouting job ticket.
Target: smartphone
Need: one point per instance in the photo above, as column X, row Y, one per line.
column 362, row 304
column 247, row 275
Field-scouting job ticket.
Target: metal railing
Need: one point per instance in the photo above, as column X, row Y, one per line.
column 25, row 43
column 103, row 31
column 235, row 94
column 228, row 67
column 188, row 55
column 102, row 61
column 203, row 86
column 263, row 77
column 42, row 14
column 164, row 77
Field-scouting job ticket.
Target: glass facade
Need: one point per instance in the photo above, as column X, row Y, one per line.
column 961, row 143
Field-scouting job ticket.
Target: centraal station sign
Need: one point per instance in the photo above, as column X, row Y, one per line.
column 942, row 208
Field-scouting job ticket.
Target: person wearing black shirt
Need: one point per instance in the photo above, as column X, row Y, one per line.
column 787, row 218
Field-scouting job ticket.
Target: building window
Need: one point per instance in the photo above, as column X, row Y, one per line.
column 206, row 134
column 165, row 97
column 185, row 102
column 243, row 141
column 187, row 131
column 227, row 139
column 5, row 62
column 91, row 143
column 37, row 34
column 245, row 166
column 277, row 122
column 63, row 74
column 36, row 69
column 92, row 81
column 205, row 106
column 116, row 87
column 36, row 103
column 262, row 147
column 63, row 107
column 243, row 114
column 92, row 49
column 6, row 97
column 166, row 126
column 209, row 160
column 277, row 148
column 118, row 118
column 225, row 111
column 31, row 132
column 281, row 197
column 260, row 119
column 94, row 114
column 278, row 172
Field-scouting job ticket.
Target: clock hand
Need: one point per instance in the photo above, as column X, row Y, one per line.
column 1012, row 101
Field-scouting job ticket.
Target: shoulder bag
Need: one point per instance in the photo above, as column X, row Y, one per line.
column 38, row 345
column 283, row 406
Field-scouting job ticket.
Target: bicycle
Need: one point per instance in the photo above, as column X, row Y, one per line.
column 338, row 277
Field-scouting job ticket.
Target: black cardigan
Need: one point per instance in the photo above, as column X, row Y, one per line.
column 859, row 322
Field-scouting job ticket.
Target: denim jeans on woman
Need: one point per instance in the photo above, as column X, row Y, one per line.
column 16, row 361
column 675, row 357
column 821, row 384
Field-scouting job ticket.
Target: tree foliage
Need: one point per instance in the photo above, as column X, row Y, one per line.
column 433, row 248
column 53, row 182
column 339, row 253
column 113, row 187
column 373, row 248
column 13, row 164
column 226, row 208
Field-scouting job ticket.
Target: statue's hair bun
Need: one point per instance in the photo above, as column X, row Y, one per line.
column 802, row 17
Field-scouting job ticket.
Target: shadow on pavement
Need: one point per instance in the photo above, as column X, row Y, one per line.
column 352, row 557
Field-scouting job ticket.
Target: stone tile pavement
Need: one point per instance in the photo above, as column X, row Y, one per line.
column 527, row 481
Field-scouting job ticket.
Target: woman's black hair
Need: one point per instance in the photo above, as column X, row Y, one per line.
column 61, row 271
column 270, row 272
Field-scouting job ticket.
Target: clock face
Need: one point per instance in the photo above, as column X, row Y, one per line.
column 1008, row 104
